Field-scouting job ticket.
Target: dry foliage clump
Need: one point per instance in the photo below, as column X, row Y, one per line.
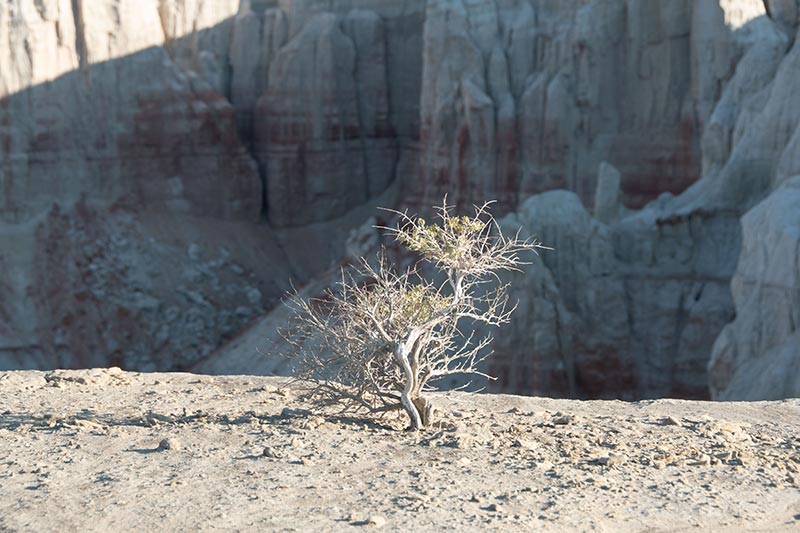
column 379, row 339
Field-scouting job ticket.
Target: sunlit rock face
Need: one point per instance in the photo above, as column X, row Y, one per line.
column 106, row 100
column 167, row 166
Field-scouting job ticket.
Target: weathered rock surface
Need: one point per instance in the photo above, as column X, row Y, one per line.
column 324, row 159
column 103, row 288
column 607, row 202
column 175, row 125
column 757, row 356
column 118, row 152
column 621, row 310
column 74, row 125
column 521, row 97
column 786, row 13
column 665, row 281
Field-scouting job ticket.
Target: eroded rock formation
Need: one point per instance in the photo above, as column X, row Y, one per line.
column 166, row 166
column 654, row 284
column 123, row 179
column 521, row 97
column 757, row 356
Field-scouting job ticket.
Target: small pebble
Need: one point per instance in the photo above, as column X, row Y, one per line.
column 376, row 520
column 169, row 444
column 703, row 460
column 563, row 420
column 271, row 453
column 525, row 444
column 612, row 459
column 670, row 421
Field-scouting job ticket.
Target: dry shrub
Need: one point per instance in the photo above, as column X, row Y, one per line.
column 381, row 338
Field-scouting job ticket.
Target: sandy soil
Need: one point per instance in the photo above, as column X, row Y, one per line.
column 105, row 450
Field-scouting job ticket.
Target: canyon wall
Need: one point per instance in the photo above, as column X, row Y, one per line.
column 169, row 165
column 130, row 206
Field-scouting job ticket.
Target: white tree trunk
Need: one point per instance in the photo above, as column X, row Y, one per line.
column 401, row 356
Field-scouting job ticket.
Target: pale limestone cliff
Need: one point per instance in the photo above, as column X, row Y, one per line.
column 129, row 203
column 757, row 356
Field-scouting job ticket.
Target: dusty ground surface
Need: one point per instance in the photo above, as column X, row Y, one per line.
column 105, row 450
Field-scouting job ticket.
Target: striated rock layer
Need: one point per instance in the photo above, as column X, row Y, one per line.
column 167, row 166
column 129, row 202
column 633, row 302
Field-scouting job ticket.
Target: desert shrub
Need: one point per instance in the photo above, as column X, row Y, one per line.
column 382, row 338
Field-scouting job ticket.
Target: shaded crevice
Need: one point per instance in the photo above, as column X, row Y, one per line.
column 355, row 75
column 28, row 54
column 246, row 113
column 262, row 176
column 80, row 33
column 162, row 17
column 259, row 6
column 247, row 140
column 567, row 358
column 41, row 8
column 677, row 335
column 390, row 109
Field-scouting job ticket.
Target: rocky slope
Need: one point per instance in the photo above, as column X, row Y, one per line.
column 220, row 149
column 108, row 450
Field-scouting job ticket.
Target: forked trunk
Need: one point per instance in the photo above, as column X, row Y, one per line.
column 401, row 356
column 411, row 409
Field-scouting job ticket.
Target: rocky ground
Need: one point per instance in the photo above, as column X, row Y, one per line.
column 106, row 450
